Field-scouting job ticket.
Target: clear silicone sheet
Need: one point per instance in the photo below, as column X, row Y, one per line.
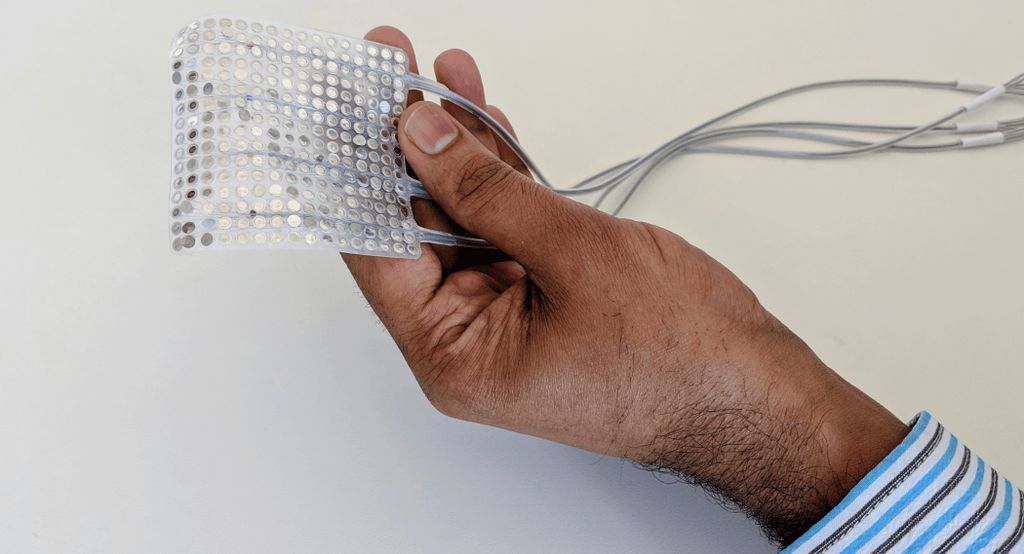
column 285, row 137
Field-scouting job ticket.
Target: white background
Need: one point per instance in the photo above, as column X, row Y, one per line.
column 250, row 402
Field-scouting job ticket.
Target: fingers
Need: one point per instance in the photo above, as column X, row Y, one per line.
column 487, row 196
column 506, row 154
column 395, row 288
column 457, row 70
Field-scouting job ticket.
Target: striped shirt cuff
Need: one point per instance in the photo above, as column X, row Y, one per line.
column 930, row 494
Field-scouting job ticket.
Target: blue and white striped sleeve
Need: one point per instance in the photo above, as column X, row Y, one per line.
column 930, row 494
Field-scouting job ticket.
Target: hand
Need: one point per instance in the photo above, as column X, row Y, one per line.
column 607, row 334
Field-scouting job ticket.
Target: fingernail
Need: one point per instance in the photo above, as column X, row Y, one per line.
column 431, row 129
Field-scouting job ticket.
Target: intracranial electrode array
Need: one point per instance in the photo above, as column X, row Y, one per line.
column 286, row 137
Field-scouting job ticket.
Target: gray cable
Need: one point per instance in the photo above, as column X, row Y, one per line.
column 762, row 152
column 611, row 178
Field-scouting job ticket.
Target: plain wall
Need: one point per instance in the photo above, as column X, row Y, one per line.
column 250, row 401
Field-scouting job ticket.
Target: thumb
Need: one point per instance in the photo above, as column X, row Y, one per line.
column 487, row 196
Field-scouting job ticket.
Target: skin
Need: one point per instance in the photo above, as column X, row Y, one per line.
column 608, row 334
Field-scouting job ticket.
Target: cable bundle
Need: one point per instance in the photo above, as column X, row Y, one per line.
column 712, row 137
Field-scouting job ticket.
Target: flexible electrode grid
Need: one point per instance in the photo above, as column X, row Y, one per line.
column 287, row 137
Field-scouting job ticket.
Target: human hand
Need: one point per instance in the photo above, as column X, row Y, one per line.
column 608, row 334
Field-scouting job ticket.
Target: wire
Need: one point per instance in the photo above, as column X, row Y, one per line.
column 701, row 139
column 765, row 129
column 810, row 155
column 738, row 150
column 446, row 239
column 436, row 88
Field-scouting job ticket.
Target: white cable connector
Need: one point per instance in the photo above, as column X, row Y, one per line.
column 977, row 127
column 982, row 99
column 975, row 86
column 983, row 140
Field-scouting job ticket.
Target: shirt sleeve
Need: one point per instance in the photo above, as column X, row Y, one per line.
column 930, row 494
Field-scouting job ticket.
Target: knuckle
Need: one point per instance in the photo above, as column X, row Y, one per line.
column 602, row 236
column 479, row 180
column 628, row 252
column 586, row 245
column 663, row 244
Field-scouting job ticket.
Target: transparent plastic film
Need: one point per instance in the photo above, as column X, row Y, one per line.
column 285, row 137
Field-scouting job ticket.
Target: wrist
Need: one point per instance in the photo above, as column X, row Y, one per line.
column 781, row 435
column 856, row 434
column 841, row 436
